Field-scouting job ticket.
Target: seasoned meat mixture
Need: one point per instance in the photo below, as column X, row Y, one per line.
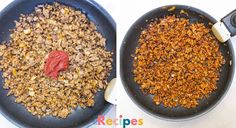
column 177, row 61
column 50, row 28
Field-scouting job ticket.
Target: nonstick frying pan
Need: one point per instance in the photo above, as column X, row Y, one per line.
column 144, row 101
column 17, row 113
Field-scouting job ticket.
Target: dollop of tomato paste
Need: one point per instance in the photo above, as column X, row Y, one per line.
column 56, row 61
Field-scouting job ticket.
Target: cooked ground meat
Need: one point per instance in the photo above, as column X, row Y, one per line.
column 55, row 27
column 178, row 62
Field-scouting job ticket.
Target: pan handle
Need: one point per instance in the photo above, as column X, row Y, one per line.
column 226, row 28
column 230, row 22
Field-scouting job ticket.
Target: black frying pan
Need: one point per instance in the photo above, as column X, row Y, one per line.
column 16, row 113
column 144, row 101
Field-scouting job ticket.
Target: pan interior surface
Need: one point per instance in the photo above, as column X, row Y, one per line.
column 17, row 113
column 144, row 101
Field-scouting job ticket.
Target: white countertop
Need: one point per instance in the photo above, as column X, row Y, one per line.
column 224, row 115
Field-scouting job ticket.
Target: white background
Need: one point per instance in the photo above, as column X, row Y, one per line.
column 125, row 13
column 224, row 115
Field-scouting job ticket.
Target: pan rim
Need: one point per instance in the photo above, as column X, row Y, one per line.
column 125, row 84
column 92, row 121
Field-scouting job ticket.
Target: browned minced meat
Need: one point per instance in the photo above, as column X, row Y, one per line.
column 177, row 62
column 55, row 27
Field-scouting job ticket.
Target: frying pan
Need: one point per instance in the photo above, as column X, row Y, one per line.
column 17, row 113
column 144, row 101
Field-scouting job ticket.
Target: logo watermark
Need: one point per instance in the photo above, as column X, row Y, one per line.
column 101, row 120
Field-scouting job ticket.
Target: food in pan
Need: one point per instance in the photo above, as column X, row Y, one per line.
column 54, row 61
column 178, row 62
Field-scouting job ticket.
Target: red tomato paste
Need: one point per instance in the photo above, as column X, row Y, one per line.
column 56, row 61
